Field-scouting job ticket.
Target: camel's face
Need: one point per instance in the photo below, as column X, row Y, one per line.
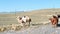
column 17, row 17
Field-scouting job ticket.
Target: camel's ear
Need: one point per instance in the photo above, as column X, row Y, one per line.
column 16, row 16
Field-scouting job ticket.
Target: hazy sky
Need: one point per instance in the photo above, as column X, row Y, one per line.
column 23, row 5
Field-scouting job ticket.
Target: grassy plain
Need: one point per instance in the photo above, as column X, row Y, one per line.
column 37, row 16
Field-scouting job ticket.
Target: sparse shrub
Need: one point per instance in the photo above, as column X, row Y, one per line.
column 2, row 29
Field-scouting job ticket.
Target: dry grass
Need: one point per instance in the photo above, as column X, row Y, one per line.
column 37, row 16
column 14, row 27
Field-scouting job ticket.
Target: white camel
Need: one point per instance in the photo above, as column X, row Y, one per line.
column 23, row 19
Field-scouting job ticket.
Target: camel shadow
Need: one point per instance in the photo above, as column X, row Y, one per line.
column 35, row 24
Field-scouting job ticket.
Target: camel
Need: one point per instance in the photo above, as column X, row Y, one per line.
column 54, row 20
column 23, row 19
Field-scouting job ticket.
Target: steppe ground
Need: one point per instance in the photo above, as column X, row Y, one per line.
column 37, row 16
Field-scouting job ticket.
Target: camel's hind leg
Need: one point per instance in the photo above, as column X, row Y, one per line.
column 29, row 24
column 29, row 21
